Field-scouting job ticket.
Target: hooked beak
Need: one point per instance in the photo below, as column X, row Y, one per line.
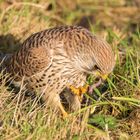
column 103, row 76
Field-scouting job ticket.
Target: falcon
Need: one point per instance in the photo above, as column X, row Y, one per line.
column 60, row 58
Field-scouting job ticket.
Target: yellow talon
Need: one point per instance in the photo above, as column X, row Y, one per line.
column 75, row 90
column 79, row 91
column 84, row 88
column 64, row 113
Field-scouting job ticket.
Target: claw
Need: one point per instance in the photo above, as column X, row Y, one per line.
column 80, row 90
column 64, row 113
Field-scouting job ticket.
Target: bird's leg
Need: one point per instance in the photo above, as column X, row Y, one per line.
column 64, row 113
column 72, row 99
column 80, row 90
column 53, row 100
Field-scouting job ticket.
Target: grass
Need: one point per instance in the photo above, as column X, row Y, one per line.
column 113, row 112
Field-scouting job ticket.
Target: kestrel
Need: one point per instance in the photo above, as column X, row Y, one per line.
column 58, row 58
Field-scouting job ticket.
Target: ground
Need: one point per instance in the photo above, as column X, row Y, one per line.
column 113, row 111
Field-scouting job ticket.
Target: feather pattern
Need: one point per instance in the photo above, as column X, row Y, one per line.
column 53, row 58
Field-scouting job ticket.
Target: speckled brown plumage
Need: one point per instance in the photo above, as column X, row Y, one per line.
column 52, row 59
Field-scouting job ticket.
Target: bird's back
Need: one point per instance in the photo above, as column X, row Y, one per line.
column 73, row 42
column 35, row 53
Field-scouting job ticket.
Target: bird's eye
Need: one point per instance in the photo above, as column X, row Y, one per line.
column 96, row 68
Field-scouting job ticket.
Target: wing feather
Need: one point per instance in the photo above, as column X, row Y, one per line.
column 29, row 61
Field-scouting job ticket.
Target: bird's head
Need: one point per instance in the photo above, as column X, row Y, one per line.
column 103, row 58
column 99, row 59
column 93, row 55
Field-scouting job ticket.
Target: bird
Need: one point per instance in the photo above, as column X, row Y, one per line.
column 60, row 58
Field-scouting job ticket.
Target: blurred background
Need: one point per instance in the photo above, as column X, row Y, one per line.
column 21, row 18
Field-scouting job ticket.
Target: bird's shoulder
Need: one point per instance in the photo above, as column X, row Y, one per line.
column 66, row 34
